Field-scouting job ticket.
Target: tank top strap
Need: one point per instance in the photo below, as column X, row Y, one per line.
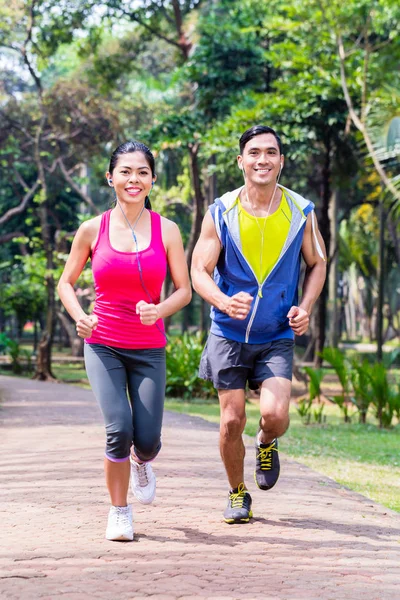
column 156, row 231
column 105, row 222
column 102, row 236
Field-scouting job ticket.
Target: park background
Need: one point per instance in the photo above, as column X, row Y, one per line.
column 187, row 78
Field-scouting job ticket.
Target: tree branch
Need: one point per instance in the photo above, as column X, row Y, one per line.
column 360, row 124
column 157, row 33
column 16, row 125
column 85, row 197
column 24, row 51
column 6, row 237
column 16, row 210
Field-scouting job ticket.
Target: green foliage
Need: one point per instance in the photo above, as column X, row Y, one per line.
column 183, row 359
column 316, row 376
column 228, row 59
column 4, row 341
column 304, row 407
column 381, row 394
column 361, row 383
column 24, row 294
column 395, row 401
column 343, row 404
column 21, row 359
column 193, row 74
column 337, row 360
column 319, row 417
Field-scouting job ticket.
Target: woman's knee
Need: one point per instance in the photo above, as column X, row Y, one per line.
column 147, row 449
column 119, row 441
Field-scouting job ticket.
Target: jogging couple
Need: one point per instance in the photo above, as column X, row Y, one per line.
column 246, row 264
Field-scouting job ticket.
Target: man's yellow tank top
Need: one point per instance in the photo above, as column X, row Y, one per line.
column 276, row 230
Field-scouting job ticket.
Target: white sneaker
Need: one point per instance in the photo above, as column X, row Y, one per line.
column 143, row 482
column 119, row 526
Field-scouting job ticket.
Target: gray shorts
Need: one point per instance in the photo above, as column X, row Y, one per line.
column 230, row 365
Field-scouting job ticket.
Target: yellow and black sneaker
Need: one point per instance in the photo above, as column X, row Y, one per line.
column 267, row 464
column 239, row 506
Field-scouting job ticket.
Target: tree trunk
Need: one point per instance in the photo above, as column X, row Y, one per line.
column 324, row 226
column 43, row 366
column 35, row 335
column 333, row 274
column 198, row 208
column 75, row 342
column 381, row 285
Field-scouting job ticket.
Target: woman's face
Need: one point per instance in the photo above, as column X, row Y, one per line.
column 132, row 178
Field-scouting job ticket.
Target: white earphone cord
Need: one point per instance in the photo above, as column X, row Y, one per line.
column 132, row 228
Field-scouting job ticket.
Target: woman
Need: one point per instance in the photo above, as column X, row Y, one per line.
column 130, row 247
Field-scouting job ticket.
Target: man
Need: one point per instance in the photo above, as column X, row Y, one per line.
column 246, row 264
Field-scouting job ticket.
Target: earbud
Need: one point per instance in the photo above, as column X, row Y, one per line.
column 110, row 181
column 152, row 183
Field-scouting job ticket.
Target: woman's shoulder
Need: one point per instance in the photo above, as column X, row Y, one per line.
column 167, row 225
column 89, row 229
column 170, row 232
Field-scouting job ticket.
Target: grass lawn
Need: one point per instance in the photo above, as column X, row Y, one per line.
column 360, row 457
column 71, row 373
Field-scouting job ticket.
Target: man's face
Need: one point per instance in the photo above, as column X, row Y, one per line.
column 261, row 160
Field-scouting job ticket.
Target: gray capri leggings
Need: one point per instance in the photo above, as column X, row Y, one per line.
column 130, row 388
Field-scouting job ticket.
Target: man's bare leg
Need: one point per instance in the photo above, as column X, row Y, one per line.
column 232, row 422
column 274, row 408
column 274, row 421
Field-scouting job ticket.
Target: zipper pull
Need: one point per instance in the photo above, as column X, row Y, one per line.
column 260, row 291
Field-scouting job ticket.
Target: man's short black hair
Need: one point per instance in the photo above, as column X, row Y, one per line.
column 258, row 130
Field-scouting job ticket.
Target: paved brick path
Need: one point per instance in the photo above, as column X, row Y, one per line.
column 310, row 538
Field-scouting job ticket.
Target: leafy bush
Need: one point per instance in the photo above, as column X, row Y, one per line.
column 16, row 353
column 4, row 341
column 316, row 376
column 361, row 381
column 318, row 416
column 337, row 360
column 395, row 401
column 363, row 385
column 304, row 409
column 381, row 394
column 183, row 359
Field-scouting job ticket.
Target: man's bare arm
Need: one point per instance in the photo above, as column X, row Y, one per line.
column 204, row 260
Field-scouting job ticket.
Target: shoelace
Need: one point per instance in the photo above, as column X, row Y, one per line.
column 265, row 456
column 238, row 498
column 123, row 516
column 143, row 475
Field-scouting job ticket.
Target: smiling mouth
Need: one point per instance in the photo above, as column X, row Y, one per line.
column 263, row 170
column 133, row 190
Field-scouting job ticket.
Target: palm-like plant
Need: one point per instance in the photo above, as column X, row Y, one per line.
column 336, row 359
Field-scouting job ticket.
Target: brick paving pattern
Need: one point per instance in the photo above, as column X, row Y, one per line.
column 310, row 539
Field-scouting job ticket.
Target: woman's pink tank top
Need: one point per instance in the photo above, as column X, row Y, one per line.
column 118, row 288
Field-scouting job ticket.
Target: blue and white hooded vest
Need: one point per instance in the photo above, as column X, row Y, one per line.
column 273, row 298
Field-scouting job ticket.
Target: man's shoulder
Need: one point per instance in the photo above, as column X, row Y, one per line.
column 302, row 203
column 227, row 199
